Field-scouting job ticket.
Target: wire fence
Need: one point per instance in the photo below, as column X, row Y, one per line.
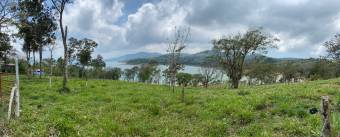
column 7, row 81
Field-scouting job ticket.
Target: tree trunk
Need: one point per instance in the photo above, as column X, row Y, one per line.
column 64, row 38
column 40, row 59
column 28, row 69
column 235, row 83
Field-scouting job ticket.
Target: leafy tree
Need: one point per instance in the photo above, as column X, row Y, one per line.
column 36, row 27
column 175, row 48
column 73, row 46
column 333, row 49
column 98, row 62
column 146, row 71
column 232, row 50
column 261, row 71
column 183, row 80
column 322, row 69
column 289, row 71
column 85, row 49
column 59, row 6
column 116, row 73
column 5, row 47
column 130, row 74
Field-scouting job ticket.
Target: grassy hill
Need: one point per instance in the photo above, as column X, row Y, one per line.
column 116, row 108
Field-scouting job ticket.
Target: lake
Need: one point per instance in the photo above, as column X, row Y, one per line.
column 187, row 69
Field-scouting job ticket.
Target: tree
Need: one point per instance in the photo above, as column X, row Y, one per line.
column 232, row 50
column 98, row 64
column 6, row 15
column 85, row 49
column 128, row 73
column 73, row 46
column 175, row 48
column 5, row 47
column 262, row 72
column 59, row 6
column 289, row 71
column 146, row 71
column 46, row 27
column 333, row 50
column 183, row 80
column 116, row 73
column 134, row 71
column 208, row 72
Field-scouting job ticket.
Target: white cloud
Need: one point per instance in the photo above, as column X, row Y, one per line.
column 300, row 24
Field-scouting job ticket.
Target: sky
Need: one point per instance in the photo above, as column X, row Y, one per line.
column 129, row 26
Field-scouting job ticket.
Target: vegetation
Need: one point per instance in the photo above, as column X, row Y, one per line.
column 116, row 108
column 233, row 50
column 174, row 50
column 59, row 7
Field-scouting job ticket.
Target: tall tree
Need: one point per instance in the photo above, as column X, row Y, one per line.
column 98, row 64
column 86, row 48
column 59, row 6
column 333, row 49
column 45, row 31
column 232, row 50
column 175, row 47
column 36, row 25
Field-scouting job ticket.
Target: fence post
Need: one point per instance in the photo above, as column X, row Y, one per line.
column 325, row 114
column 17, row 95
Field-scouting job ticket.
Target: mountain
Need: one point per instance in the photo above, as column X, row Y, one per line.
column 139, row 55
column 196, row 59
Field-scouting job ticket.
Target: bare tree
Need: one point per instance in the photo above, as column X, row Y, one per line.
column 175, row 48
column 209, row 73
column 333, row 49
column 59, row 6
column 233, row 50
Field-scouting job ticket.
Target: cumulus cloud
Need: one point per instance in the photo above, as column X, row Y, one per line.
column 302, row 25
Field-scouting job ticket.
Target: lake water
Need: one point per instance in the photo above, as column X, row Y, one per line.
column 187, row 69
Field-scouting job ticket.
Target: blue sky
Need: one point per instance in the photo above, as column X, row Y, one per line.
column 129, row 26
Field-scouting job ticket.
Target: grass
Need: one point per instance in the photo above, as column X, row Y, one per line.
column 116, row 108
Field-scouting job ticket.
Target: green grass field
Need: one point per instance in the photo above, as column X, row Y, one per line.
column 116, row 108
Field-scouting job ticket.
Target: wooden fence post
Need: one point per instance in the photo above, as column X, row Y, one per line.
column 325, row 114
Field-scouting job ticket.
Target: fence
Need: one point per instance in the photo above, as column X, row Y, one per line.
column 9, row 93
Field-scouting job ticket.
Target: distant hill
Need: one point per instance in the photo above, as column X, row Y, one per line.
column 139, row 55
column 196, row 59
